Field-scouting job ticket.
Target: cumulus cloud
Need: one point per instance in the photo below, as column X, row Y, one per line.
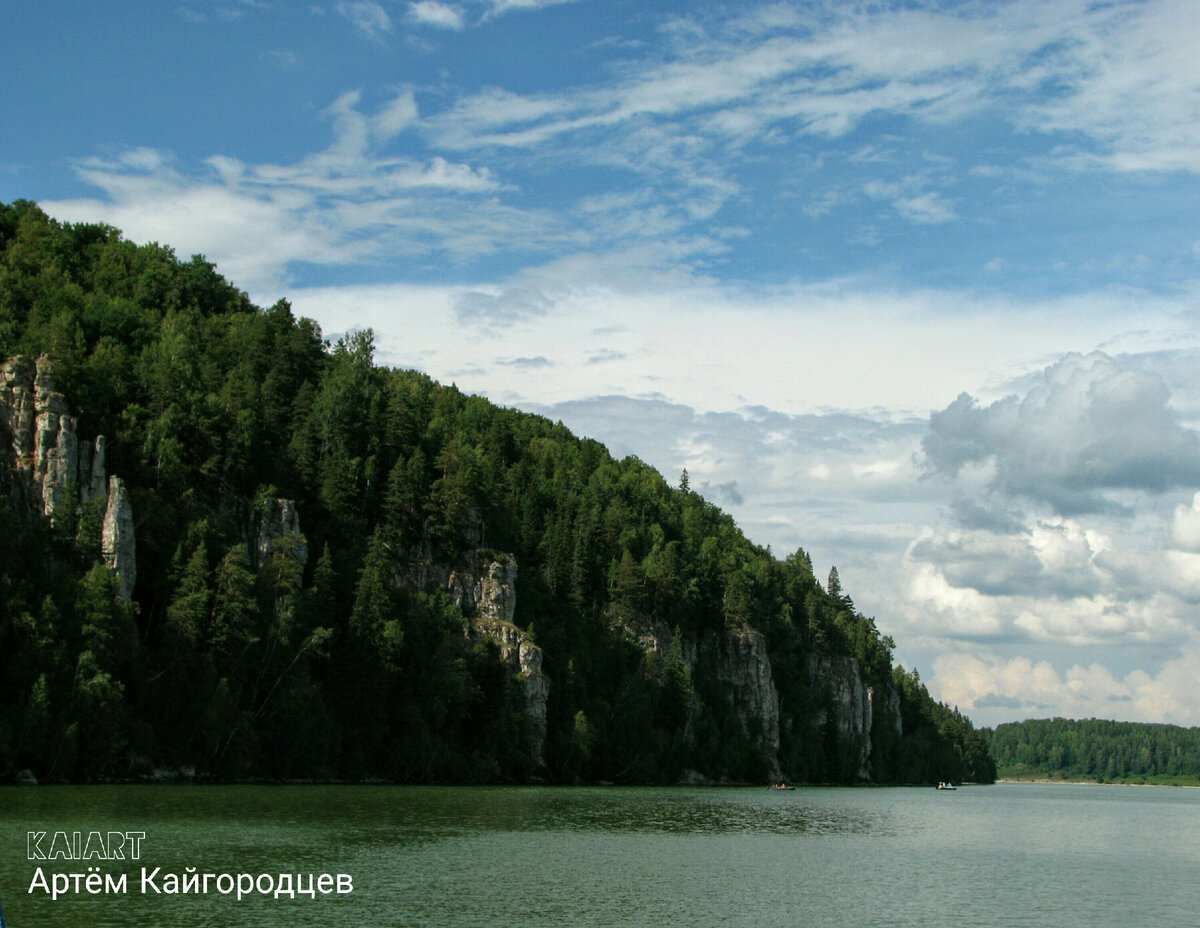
column 1086, row 426
column 993, row 688
column 1091, row 581
column 1185, row 527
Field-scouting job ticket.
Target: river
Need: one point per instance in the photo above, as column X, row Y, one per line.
column 1005, row 855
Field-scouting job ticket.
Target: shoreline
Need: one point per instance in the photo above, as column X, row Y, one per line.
column 1055, row 781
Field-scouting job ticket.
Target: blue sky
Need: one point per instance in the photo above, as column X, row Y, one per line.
column 912, row 285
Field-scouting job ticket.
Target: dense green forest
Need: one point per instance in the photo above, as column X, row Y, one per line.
column 1095, row 749
column 339, row 650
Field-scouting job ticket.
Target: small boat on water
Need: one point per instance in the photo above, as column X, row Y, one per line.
column 780, row 786
column 946, row 785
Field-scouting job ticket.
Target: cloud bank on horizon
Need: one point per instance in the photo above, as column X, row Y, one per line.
column 912, row 285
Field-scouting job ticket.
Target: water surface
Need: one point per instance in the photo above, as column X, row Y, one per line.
column 1006, row 855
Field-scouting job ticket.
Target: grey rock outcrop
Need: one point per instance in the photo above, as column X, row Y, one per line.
column 885, row 703
column 93, row 483
column 483, row 586
column 267, row 525
column 524, row 659
column 746, row 668
column 46, row 468
column 43, row 451
column 117, row 542
column 743, row 668
column 852, row 706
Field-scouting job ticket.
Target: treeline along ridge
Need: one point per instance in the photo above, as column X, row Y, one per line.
column 335, row 570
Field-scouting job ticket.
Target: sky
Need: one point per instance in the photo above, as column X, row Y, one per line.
column 912, row 285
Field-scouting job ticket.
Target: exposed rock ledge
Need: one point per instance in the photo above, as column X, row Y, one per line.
column 45, row 453
column 484, row 587
column 117, row 538
column 48, row 462
column 743, row 667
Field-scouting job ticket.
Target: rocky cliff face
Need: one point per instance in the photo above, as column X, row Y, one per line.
column 45, row 455
column 747, row 670
column 850, row 710
column 743, row 671
column 117, row 539
column 852, row 705
column 266, row 526
column 46, row 468
column 483, row 586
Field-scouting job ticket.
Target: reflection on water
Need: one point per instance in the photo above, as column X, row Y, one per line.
column 679, row 811
column 455, row 857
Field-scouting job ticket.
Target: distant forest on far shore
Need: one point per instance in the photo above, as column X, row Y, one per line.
column 1096, row 749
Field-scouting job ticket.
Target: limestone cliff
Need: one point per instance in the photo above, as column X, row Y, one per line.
column 266, row 526
column 747, row 670
column 44, row 454
column 47, row 469
column 117, row 537
column 851, row 706
column 738, row 660
column 483, row 586
column 848, row 707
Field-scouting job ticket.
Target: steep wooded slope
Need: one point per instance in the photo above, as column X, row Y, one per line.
column 332, row 569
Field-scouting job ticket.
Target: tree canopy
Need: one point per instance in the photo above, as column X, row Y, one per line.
column 338, row 661
column 1097, row 749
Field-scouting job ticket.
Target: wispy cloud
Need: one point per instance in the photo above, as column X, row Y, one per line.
column 371, row 19
column 698, row 132
column 437, row 14
column 500, row 7
column 349, row 204
column 925, row 209
column 527, row 364
column 1121, row 77
column 283, row 59
column 1130, row 82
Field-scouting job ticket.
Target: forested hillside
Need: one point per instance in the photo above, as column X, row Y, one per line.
column 233, row 548
column 1095, row 749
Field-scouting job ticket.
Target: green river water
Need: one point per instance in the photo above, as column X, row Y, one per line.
column 1004, row 855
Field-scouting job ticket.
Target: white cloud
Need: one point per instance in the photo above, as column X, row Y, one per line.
column 395, row 116
column 437, row 14
column 1132, row 82
column 367, row 16
column 498, row 7
column 1185, row 528
column 911, row 201
column 979, row 683
column 349, row 204
column 926, row 209
column 1087, row 426
column 1123, row 76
